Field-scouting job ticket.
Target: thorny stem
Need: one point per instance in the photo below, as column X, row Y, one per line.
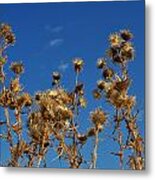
column 73, row 165
column 32, row 157
column 94, row 155
column 120, row 141
column 6, row 112
column 31, row 160
column 75, row 102
column 8, row 126
column 18, row 118
column 39, row 160
column 41, row 156
column 121, row 149
column 42, row 151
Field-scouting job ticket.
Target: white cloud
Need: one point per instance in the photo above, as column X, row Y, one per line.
column 56, row 42
column 55, row 29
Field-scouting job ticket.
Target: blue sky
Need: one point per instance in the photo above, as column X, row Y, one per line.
column 50, row 35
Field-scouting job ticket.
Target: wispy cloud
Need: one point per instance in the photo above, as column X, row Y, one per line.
column 55, row 29
column 63, row 66
column 56, row 42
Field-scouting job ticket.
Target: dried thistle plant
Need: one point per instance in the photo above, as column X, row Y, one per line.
column 52, row 115
column 114, row 89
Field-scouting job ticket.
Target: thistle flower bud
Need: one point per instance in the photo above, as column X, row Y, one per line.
column 82, row 137
column 118, row 59
column 91, row 132
column 56, row 77
column 5, row 98
column 78, row 64
column 10, row 38
column 98, row 117
column 82, row 102
column 112, row 52
column 15, row 85
column 114, row 40
column 96, row 94
column 7, row 34
column 37, row 96
column 17, row 68
column 127, row 51
column 101, row 84
column 108, row 73
column 2, row 61
column 25, row 100
column 126, row 35
column 101, row 63
column 79, row 88
column 4, row 29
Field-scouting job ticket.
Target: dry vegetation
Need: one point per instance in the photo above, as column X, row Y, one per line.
column 52, row 115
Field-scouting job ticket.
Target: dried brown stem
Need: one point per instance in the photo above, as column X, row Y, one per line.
column 73, row 160
column 8, row 126
column 94, row 155
column 19, row 120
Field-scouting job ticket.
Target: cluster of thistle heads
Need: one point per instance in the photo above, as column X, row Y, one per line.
column 121, row 49
column 113, row 87
column 52, row 115
column 7, row 34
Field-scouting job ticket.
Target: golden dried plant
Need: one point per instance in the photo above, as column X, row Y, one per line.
column 52, row 115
